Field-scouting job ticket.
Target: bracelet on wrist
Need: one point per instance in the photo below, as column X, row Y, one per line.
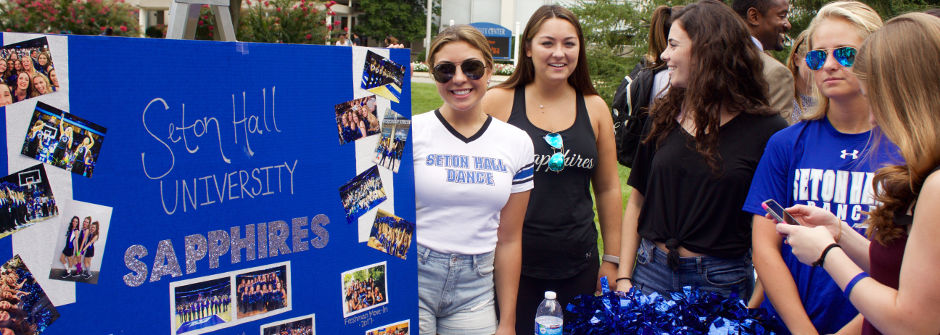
column 851, row 284
column 822, row 257
column 611, row 258
column 625, row 278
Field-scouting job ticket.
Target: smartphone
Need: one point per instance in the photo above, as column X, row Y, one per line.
column 775, row 210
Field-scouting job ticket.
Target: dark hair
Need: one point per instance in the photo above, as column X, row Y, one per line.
column 727, row 74
column 741, row 6
column 660, row 23
column 580, row 79
column 933, row 11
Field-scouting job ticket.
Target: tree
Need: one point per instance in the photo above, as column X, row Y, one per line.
column 404, row 19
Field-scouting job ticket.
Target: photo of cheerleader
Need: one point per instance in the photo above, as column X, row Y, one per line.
column 80, row 243
column 25, row 69
column 382, row 76
column 391, row 234
column 398, row 328
column 392, row 144
column 25, row 198
column 364, row 289
column 362, row 193
column 303, row 325
column 356, row 119
column 24, row 306
column 260, row 292
column 63, row 140
column 202, row 304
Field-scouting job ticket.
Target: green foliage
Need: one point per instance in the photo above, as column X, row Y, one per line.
column 424, row 98
column 404, row 19
column 84, row 17
column 284, row 21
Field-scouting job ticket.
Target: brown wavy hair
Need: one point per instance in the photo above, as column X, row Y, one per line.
column 660, row 23
column 904, row 102
column 524, row 74
column 726, row 74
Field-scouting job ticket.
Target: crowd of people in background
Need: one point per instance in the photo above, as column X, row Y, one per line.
column 26, row 73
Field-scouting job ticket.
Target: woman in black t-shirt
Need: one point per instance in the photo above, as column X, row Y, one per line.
column 683, row 223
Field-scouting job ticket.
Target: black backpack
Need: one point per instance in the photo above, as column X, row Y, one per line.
column 630, row 109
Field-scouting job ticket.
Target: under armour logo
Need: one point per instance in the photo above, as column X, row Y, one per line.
column 854, row 154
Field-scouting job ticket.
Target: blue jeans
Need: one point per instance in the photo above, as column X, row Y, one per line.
column 455, row 293
column 721, row 275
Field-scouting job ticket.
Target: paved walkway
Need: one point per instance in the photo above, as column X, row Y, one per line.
column 425, row 77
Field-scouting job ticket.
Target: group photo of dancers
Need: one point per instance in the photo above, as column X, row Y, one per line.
column 364, row 288
column 356, row 119
column 382, row 76
column 391, row 234
column 304, row 326
column 25, row 198
column 79, row 244
column 26, row 71
column 392, row 143
column 259, row 292
column 63, row 140
column 362, row 193
column 202, row 304
column 24, row 307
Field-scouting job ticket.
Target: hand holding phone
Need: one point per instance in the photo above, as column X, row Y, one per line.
column 775, row 210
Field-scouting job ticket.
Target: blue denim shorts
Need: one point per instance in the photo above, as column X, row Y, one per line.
column 455, row 293
column 721, row 275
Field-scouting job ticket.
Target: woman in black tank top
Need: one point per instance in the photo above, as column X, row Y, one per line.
column 550, row 97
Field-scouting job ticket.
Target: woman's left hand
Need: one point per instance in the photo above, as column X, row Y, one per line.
column 806, row 243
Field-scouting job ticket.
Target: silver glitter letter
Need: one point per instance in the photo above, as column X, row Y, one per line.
column 262, row 240
column 195, row 250
column 247, row 243
column 277, row 238
column 165, row 262
column 218, row 247
column 318, row 229
column 133, row 263
column 299, row 232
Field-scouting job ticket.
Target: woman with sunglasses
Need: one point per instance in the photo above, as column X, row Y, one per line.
column 902, row 293
column 551, row 97
column 683, row 223
column 475, row 176
column 824, row 161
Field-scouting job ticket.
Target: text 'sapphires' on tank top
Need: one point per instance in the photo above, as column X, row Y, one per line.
column 558, row 236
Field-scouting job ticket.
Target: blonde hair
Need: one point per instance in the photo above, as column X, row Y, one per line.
column 904, row 101
column 461, row 33
column 797, row 55
column 865, row 20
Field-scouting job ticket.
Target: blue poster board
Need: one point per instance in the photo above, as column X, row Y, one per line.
column 499, row 37
column 245, row 188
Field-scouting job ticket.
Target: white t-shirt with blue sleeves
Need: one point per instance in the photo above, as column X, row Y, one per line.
column 462, row 183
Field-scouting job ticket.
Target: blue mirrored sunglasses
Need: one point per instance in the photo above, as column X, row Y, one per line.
column 844, row 55
column 556, row 162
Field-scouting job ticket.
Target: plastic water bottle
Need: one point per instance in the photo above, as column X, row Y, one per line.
column 549, row 317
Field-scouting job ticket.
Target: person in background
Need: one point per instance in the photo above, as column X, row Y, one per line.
column 343, row 41
column 683, row 223
column 902, row 294
column 468, row 220
column 356, row 40
column 767, row 22
column 826, row 160
column 550, row 96
column 802, row 81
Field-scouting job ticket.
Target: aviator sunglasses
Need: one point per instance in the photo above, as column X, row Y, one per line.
column 844, row 55
column 556, row 162
column 472, row 68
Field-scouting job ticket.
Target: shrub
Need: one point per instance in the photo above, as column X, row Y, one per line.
column 285, row 21
column 84, row 17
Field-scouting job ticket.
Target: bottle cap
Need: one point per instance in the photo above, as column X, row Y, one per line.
column 550, row 295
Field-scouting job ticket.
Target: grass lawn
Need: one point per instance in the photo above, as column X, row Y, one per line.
column 424, row 98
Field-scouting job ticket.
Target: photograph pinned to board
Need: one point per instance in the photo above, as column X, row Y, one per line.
column 356, row 119
column 364, row 288
column 63, row 140
column 79, row 245
column 382, row 76
column 397, row 328
column 391, row 234
column 25, row 199
column 262, row 292
column 391, row 145
column 362, row 193
column 28, row 71
column 301, row 325
column 201, row 304
column 30, row 310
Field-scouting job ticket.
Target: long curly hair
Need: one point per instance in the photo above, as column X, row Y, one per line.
column 905, row 107
column 726, row 74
